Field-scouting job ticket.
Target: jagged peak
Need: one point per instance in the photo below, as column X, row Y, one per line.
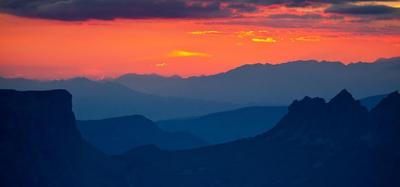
column 307, row 103
column 343, row 97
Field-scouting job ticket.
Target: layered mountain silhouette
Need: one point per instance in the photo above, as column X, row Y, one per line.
column 117, row 135
column 98, row 100
column 41, row 147
column 244, row 122
column 248, row 85
column 227, row 126
column 317, row 143
column 267, row 84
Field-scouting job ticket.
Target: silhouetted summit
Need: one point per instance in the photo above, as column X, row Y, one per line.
column 312, row 120
column 344, row 97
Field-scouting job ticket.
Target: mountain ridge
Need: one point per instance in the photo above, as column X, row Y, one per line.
column 97, row 100
column 278, row 84
column 119, row 134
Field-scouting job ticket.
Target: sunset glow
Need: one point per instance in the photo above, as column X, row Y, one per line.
column 43, row 48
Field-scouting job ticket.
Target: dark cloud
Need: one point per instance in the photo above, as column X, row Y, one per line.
column 303, row 16
column 366, row 13
column 302, row 3
column 364, row 9
column 110, row 9
column 138, row 9
column 242, row 7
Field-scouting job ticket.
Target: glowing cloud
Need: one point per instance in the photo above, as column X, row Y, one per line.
column 161, row 65
column 204, row 32
column 264, row 40
column 308, row 39
column 182, row 53
column 243, row 34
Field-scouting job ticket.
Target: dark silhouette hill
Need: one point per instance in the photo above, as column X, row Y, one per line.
column 227, row 126
column 41, row 147
column 317, row 143
column 267, row 84
column 117, row 135
column 98, row 100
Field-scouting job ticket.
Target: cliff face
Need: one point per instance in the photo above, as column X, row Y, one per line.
column 41, row 145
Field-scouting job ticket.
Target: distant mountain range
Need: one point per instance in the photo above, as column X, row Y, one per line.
column 227, row 126
column 162, row 98
column 98, row 100
column 317, row 143
column 267, row 84
column 117, row 135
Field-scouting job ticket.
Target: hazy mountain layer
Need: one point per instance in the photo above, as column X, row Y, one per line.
column 266, row 84
column 228, row 125
column 117, row 135
column 98, row 100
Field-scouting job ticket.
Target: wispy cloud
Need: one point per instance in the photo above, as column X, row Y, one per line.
column 243, row 34
column 161, row 65
column 204, row 32
column 183, row 53
column 308, row 39
column 264, row 40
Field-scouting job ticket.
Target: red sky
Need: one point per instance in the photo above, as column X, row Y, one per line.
column 45, row 48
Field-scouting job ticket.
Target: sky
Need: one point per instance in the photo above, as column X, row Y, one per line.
column 53, row 39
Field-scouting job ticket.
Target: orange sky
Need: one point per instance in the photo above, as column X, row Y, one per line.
column 48, row 49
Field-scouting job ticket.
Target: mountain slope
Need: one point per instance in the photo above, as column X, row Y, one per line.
column 372, row 101
column 267, row 84
column 117, row 135
column 316, row 144
column 97, row 100
column 40, row 145
column 229, row 125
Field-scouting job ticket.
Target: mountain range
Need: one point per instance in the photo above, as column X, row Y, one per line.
column 317, row 143
column 163, row 98
column 279, row 84
column 98, row 100
column 119, row 134
column 227, row 126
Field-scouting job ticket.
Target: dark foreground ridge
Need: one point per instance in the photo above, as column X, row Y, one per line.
column 317, row 143
column 40, row 145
